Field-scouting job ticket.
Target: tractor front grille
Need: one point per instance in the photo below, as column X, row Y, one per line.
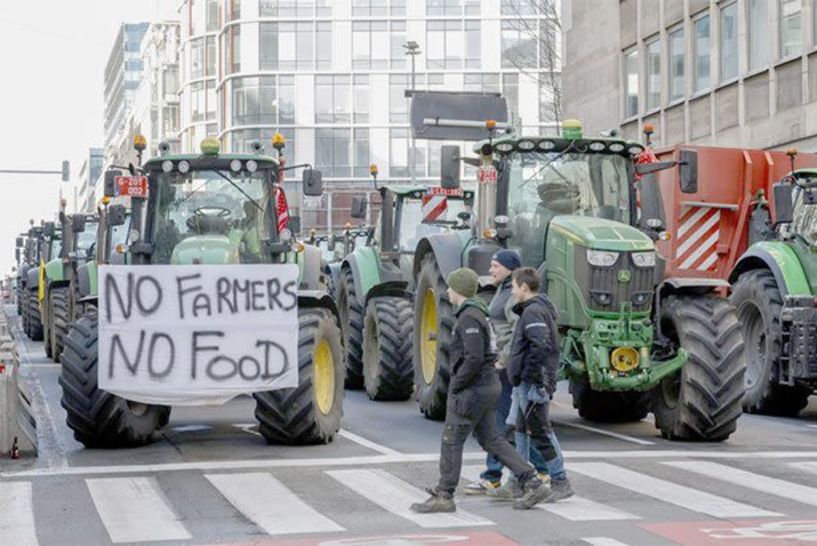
column 605, row 289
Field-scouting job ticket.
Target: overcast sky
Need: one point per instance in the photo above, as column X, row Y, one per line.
column 52, row 66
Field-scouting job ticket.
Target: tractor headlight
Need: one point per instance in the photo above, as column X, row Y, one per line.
column 184, row 167
column 601, row 258
column 252, row 166
column 641, row 298
column 644, row 259
column 167, row 166
column 504, row 147
column 235, row 165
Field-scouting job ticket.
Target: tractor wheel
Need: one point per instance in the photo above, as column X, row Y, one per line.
column 433, row 324
column 35, row 321
column 47, row 328
column 23, row 302
column 59, row 321
column 702, row 402
column 99, row 418
column 609, row 407
column 388, row 373
column 351, row 322
column 757, row 299
column 311, row 412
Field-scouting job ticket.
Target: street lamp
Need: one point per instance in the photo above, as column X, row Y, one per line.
column 412, row 49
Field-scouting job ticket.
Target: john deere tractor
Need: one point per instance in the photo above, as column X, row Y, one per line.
column 775, row 293
column 375, row 284
column 207, row 210
column 632, row 341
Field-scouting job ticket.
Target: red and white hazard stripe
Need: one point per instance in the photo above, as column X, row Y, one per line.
column 697, row 238
column 434, row 206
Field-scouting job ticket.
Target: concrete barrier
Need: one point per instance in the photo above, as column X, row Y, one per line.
column 18, row 427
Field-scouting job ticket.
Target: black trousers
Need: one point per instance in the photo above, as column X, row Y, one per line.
column 481, row 420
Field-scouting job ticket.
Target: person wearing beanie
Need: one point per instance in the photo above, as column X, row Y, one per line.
column 473, row 393
column 503, row 263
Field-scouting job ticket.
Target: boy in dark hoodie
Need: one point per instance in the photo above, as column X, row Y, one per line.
column 473, row 393
column 534, row 370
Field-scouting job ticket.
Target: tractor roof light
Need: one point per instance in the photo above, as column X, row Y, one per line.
column 616, row 147
column 251, row 166
column 235, row 165
column 597, row 146
column 572, row 129
column 106, row 200
column 526, row 145
column 278, row 141
column 489, row 233
column 547, row 145
column 649, row 129
column 167, row 166
column 210, row 146
column 373, row 170
column 184, row 166
column 140, row 143
column 504, row 147
column 635, row 149
column 490, row 124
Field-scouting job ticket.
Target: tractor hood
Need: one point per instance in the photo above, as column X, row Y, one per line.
column 205, row 249
column 601, row 234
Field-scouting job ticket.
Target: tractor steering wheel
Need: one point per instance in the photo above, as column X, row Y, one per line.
column 220, row 212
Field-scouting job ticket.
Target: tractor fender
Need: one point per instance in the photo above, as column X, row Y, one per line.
column 54, row 271
column 33, row 278
column 364, row 264
column 317, row 299
column 84, row 280
column 778, row 258
column 333, row 271
column 690, row 285
column 310, row 264
column 397, row 289
column 447, row 249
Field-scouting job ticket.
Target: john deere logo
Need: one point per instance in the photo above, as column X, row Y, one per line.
column 624, row 275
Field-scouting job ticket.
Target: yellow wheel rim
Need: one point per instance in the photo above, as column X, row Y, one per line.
column 428, row 336
column 324, row 377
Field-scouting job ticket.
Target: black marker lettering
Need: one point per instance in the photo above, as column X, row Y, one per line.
column 158, row 298
column 202, row 303
column 257, row 289
column 291, row 290
column 201, row 348
column 223, row 286
column 211, row 373
column 254, row 362
column 152, row 350
column 244, row 288
column 133, row 365
column 111, row 289
column 268, row 345
column 182, row 290
column 273, row 289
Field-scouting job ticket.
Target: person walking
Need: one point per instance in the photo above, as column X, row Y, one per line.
column 473, row 393
column 533, row 369
column 503, row 263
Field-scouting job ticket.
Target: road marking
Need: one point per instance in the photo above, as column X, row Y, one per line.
column 396, row 496
column 574, row 509
column 191, row 428
column 807, row 466
column 603, row 541
column 679, row 495
column 610, row 433
column 135, row 510
column 750, row 480
column 261, row 464
column 17, row 514
column 367, row 443
column 269, row 504
column 249, row 428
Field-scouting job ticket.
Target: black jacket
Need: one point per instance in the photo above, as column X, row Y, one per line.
column 472, row 351
column 535, row 347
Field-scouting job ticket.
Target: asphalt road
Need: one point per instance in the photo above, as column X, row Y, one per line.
column 211, row 479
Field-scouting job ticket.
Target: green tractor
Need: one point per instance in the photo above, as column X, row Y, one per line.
column 774, row 292
column 45, row 243
column 20, row 257
column 209, row 210
column 632, row 341
column 375, row 283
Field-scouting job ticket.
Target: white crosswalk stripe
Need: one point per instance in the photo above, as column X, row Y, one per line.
column 135, row 510
column 574, row 509
column 17, row 514
column 750, row 480
column 603, row 541
column 269, row 504
column 395, row 496
column 663, row 490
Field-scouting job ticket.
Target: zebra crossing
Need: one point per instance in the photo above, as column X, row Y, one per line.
column 140, row 508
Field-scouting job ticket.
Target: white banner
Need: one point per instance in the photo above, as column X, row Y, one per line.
column 186, row 335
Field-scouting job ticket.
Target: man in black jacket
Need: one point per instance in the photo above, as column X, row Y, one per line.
column 473, row 393
column 534, row 370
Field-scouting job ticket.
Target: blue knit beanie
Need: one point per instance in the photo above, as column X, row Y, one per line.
column 509, row 259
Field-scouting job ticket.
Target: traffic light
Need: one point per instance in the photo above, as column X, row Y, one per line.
column 66, row 171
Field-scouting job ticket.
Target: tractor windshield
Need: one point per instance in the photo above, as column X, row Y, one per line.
column 804, row 217
column 87, row 238
column 211, row 209
column 416, row 223
column 544, row 185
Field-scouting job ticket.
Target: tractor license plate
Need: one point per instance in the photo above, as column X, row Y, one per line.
column 131, row 186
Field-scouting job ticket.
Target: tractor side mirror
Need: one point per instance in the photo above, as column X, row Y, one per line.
column 313, row 182
column 652, row 209
column 18, row 242
column 49, row 229
column 783, row 206
column 109, row 189
column 116, row 215
column 688, row 161
column 78, row 223
column 358, row 208
column 450, row 167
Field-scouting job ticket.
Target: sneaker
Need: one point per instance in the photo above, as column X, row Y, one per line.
column 559, row 490
column 535, row 492
column 436, row 503
column 544, row 477
column 481, row 487
column 509, row 491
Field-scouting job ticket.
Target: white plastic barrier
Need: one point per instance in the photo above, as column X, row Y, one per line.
column 18, row 428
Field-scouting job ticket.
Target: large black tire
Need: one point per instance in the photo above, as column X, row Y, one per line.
column 99, row 418
column 388, row 373
column 351, row 322
column 302, row 415
column 24, row 311
column 59, row 320
column 35, row 321
column 431, row 365
column 703, row 401
column 758, row 302
column 609, row 407
column 48, row 320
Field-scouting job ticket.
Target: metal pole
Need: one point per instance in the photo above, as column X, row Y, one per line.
column 413, row 140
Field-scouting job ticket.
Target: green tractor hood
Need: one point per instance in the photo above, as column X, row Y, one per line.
column 601, row 234
column 205, row 249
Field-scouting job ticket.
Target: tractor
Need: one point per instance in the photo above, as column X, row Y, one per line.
column 205, row 210
column 43, row 243
column 20, row 259
column 375, row 283
column 632, row 339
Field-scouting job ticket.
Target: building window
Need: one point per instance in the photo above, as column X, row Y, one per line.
column 398, row 152
column 677, row 83
column 212, row 16
column 452, row 7
column 758, row 18
column 198, row 102
column 398, row 103
column 398, row 39
column 333, row 99
column 482, row 83
column 524, row 7
column 232, row 50
column 790, row 27
column 370, row 44
column 240, row 140
column 286, row 46
column 653, row 74
column 197, row 58
column 729, row 41
column 548, row 99
column 630, row 83
column 510, row 89
column 453, row 44
column 700, row 54
column 323, row 38
column 518, row 45
column 369, row 8
column 360, row 98
column 294, row 8
column 361, row 151
column 333, row 151
column 232, row 10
